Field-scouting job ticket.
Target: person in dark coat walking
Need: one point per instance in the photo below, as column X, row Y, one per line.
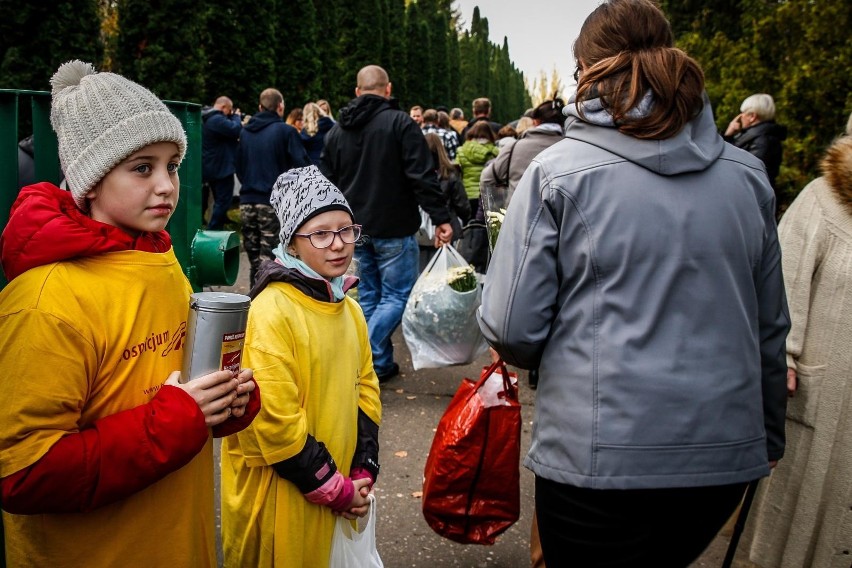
column 220, row 132
column 481, row 112
column 268, row 147
column 377, row 155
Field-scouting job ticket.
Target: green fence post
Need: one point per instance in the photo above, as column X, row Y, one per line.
column 207, row 257
column 46, row 147
column 8, row 157
column 186, row 220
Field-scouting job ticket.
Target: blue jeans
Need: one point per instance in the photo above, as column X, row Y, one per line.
column 388, row 271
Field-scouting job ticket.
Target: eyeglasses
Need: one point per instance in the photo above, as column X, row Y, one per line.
column 323, row 239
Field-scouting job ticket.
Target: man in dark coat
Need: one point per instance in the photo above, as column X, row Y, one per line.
column 378, row 157
column 268, row 147
column 220, row 132
column 481, row 112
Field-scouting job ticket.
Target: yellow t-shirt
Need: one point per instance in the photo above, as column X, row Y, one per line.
column 313, row 364
column 81, row 340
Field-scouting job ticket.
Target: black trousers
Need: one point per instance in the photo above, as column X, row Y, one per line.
column 663, row 528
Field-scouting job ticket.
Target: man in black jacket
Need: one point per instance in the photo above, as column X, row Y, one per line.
column 268, row 148
column 481, row 112
column 378, row 157
column 220, row 133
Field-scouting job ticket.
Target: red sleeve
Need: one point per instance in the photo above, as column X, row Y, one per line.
column 116, row 457
column 233, row 424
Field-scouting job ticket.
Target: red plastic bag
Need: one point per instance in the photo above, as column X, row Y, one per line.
column 471, row 487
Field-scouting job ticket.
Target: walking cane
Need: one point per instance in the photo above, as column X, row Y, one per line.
column 740, row 524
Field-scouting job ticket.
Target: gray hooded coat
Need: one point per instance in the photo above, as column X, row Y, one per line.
column 643, row 278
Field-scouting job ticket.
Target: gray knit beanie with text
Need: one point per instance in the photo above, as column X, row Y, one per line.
column 300, row 194
column 102, row 118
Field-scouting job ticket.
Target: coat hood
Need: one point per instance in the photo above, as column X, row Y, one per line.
column 472, row 152
column 693, row 149
column 361, row 110
column 207, row 112
column 261, row 120
column 46, row 226
column 837, row 169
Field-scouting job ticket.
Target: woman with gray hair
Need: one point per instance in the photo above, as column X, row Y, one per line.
column 755, row 131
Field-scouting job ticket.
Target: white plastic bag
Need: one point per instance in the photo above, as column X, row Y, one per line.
column 356, row 549
column 439, row 323
column 426, row 232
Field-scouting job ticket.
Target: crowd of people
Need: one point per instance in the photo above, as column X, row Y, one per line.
column 638, row 275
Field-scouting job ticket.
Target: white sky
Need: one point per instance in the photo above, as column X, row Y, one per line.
column 540, row 32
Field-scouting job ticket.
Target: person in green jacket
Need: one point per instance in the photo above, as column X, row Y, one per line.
column 478, row 149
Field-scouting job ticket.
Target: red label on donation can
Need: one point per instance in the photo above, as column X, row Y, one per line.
column 232, row 350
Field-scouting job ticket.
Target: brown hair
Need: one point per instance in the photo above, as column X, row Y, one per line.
column 442, row 161
column 481, row 106
column 295, row 115
column 480, row 129
column 627, row 49
column 549, row 112
column 430, row 115
column 507, row 132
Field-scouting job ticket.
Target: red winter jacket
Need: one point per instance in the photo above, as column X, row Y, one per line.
column 120, row 454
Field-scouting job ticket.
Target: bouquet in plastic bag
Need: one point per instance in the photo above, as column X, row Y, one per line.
column 495, row 200
column 439, row 323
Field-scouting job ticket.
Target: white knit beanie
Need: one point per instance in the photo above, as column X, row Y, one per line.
column 102, row 118
column 300, row 194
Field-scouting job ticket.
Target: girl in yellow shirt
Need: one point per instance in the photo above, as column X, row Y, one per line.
column 312, row 452
column 105, row 457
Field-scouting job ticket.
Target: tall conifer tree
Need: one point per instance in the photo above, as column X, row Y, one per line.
column 299, row 65
column 159, row 47
column 241, row 54
column 40, row 36
column 418, row 72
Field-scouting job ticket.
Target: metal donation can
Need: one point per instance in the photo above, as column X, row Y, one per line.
column 215, row 333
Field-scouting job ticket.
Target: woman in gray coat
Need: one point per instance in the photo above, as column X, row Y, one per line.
column 638, row 267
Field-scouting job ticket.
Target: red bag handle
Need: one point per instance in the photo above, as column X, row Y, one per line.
column 504, row 372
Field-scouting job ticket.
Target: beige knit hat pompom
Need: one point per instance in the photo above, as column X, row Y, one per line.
column 102, row 118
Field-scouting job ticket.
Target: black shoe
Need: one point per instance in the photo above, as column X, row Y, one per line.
column 533, row 378
column 389, row 374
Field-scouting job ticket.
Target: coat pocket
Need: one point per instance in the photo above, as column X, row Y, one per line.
column 802, row 408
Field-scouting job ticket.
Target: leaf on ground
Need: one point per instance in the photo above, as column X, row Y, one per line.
column 412, row 397
column 401, row 454
column 417, row 494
